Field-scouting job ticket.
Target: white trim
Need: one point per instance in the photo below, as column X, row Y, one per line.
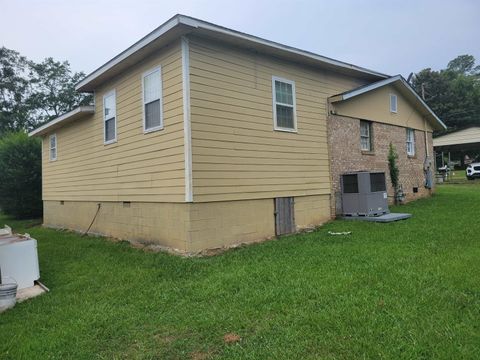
column 196, row 24
column 412, row 131
column 81, row 109
column 146, row 73
column 162, row 29
column 54, row 135
column 393, row 97
column 363, row 89
column 187, row 131
column 107, row 94
column 275, row 103
column 368, row 136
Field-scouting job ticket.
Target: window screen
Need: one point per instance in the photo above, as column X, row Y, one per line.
column 152, row 94
column 393, row 103
column 53, row 147
column 350, row 184
column 365, row 135
column 410, row 142
column 284, row 108
column 110, row 117
column 377, row 182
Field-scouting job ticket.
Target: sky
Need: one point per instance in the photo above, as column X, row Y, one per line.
column 393, row 37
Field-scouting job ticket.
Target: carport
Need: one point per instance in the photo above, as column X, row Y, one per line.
column 462, row 144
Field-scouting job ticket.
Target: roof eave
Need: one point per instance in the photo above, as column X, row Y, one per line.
column 180, row 25
column 76, row 113
column 397, row 78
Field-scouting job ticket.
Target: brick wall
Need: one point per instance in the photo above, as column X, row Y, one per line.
column 346, row 156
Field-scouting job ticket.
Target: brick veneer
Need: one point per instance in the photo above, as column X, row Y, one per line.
column 346, row 155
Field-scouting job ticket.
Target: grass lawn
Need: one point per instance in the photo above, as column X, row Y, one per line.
column 406, row 290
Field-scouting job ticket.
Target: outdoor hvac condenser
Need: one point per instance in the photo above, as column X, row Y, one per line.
column 364, row 194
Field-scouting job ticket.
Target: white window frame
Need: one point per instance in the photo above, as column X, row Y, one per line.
column 144, row 75
column 370, row 139
column 50, row 148
column 411, row 141
column 107, row 94
column 393, row 101
column 274, row 104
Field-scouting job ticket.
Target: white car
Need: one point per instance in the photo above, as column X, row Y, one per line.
column 473, row 171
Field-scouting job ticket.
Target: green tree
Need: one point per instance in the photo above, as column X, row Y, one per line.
column 14, row 91
column 34, row 93
column 20, row 175
column 53, row 90
column 464, row 64
column 452, row 93
column 393, row 166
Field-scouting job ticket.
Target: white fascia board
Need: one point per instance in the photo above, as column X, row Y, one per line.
column 239, row 35
column 89, row 109
column 170, row 24
column 362, row 90
column 442, row 124
column 199, row 24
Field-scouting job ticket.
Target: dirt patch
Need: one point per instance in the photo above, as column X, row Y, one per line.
column 200, row 355
column 231, row 338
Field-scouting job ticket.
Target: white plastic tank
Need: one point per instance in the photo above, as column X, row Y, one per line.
column 19, row 258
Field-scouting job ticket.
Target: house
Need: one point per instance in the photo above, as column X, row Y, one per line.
column 461, row 146
column 202, row 137
column 362, row 124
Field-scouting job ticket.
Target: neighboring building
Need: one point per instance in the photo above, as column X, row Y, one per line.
column 364, row 121
column 461, row 147
column 202, row 136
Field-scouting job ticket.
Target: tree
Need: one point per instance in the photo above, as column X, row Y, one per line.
column 32, row 94
column 453, row 93
column 53, row 90
column 14, row 91
column 463, row 64
column 20, row 175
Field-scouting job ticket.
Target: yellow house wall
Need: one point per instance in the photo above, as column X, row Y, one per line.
column 236, row 152
column 165, row 224
column 138, row 167
column 185, row 227
column 375, row 106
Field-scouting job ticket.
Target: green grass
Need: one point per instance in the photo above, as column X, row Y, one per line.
column 406, row 290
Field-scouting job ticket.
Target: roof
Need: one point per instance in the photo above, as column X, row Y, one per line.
column 74, row 115
column 404, row 87
column 181, row 25
column 465, row 136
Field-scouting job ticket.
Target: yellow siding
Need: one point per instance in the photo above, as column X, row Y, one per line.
column 138, row 167
column 375, row 106
column 236, row 152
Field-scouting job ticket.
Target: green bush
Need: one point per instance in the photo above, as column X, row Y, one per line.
column 20, row 176
column 392, row 165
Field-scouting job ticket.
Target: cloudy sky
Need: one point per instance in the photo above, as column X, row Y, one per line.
column 388, row 36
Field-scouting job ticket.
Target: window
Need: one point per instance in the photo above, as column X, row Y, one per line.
column 110, row 117
column 284, row 104
column 410, row 142
column 366, row 135
column 53, row 147
column 152, row 100
column 393, row 103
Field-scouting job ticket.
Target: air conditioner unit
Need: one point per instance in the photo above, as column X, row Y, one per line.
column 19, row 258
column 364, row 194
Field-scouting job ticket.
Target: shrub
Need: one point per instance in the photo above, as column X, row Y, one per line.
column 20, row 176
column 392, row 165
